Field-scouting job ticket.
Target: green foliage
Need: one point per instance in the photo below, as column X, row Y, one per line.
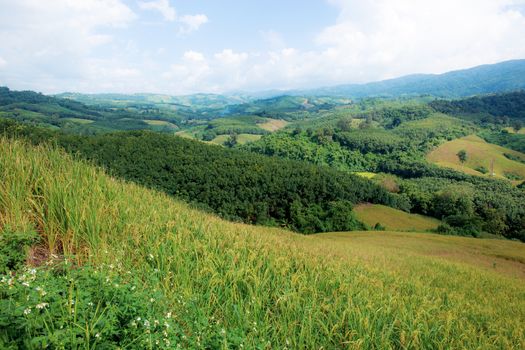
column 72, row 307
column 505, row 139
column 13, row 248
column 491, row 108
column 462, row 156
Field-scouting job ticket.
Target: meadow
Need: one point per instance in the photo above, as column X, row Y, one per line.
column 233, row 286
column 393, row 219
column 480, row 156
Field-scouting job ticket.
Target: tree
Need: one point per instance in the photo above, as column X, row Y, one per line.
column 462, row 155
column 232, row 140
column 517, row 125
column 345, row 124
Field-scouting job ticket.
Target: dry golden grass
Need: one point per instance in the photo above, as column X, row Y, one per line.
column 273, row 124
column 394, row 219
column 480, row 154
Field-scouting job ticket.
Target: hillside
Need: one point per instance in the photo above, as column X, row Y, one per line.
column 393, row 219
column 491, row 78
column 217, row 284
column 508, row 164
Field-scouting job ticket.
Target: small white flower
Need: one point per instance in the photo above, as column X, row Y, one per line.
column 168, row 315
column 152, row 300
column 97, row 335
column 27, row 311
column 146, row 323
column 90, row 304
column 25, row 284
column 42, row 305
column 223, row 331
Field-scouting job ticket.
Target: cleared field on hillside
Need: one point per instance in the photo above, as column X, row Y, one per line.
column 479, row 154
column 231, row 284
column 160, row 123
column 241, row 139
column 394, row 219
column 273, row 124
column 511, row 130
column 80, row 120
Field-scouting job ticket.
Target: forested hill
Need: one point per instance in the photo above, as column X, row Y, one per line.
column 498, row 105
column 493, row 78
column 235, row 184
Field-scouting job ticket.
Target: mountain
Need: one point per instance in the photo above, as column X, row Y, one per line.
column 485, row 79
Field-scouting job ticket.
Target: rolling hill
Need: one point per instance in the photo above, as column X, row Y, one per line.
column 217, row 284
column 480, row 155
column 485, row 79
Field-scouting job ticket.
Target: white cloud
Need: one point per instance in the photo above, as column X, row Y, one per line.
column 162, row 6
column 3, row 62
column 192, row 23
column 229, row 57
column 386, row 38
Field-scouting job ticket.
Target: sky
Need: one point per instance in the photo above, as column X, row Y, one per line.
column 187, row 46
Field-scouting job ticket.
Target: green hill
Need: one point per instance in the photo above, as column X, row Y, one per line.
column 163, row 274
column 394, row 219
column 480, row 157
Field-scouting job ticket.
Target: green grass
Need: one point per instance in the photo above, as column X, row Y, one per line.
column 394, row 219
column 160, row 123
column 365, row 174
column 80, row 120
column 268, row 288
column 479, row 154
column 241, row 139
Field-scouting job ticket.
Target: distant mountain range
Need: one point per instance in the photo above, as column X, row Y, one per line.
column 490, row 78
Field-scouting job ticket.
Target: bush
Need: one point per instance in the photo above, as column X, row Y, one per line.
column 13, row 248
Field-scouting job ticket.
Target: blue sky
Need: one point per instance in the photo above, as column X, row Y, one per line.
column 187, row 46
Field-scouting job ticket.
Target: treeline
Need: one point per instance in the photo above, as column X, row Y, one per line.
column 235, row 184
column 500, row 107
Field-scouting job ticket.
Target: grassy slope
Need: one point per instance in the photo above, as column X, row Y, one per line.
column 273, row 124
column 241, row 139
column 394, row 219
column 269, row 286
column 480, row 153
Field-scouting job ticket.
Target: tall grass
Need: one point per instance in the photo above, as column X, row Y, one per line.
column 253, row 286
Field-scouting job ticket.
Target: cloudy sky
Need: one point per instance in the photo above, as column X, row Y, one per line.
column 186, row 46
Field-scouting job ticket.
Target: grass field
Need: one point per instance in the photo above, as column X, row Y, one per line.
column 394, row 219
column 479, row 154
column 241, row 139
column 264, row 288
column 80, row 120
column 160, row 123
column 511, row 130
column 365, row 174
column 273, row 124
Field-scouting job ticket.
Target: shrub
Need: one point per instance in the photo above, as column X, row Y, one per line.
column 13, row 248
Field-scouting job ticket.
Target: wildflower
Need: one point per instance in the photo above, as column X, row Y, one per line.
column 26, row 284
column 168, row 315
column 223, row 331
column 42, row 305
column 151, row 256
column 90, row 304
column 138, row 318
column 152, row 300
column 27, row 311
column 146, row 323
column 97, row 335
